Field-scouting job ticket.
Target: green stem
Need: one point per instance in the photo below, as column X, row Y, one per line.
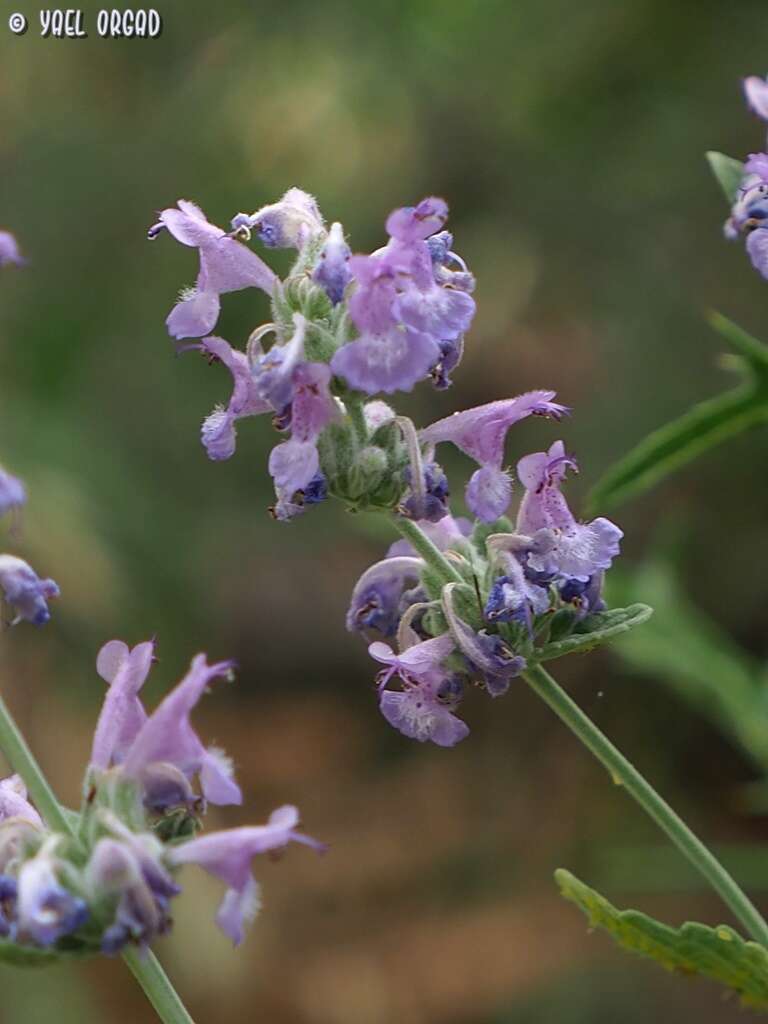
column 149, row 973
column 424, row 547
column 145, row 966
column 23, row 762
column 356, row 413
column 628, row 776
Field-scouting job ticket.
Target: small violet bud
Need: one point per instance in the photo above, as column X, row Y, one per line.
column 332, row 272
column 25, row 592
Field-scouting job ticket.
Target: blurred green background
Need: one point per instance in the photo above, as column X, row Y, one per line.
column 568, row 140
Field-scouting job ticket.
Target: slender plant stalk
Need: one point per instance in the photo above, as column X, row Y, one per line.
column 149, row 973
column 427, row 550
column 23, row 762
column 145, row 967
column 623, row 772
column 356, row 414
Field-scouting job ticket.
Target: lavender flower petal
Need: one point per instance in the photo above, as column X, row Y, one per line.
column 488, row 493
column 122, row 714
column 375, row 601
column 14, row 803
column 392, row 361
column 480, row 432
column 418, row 714
column 227, row 855
column 167, row 735
column 46, row 910
column 225, row 266
column 756, row 93
column 757, row 247
column 12, row 492
column 9, row 250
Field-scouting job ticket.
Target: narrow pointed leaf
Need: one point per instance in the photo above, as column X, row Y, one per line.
column 595, row 631
column 717, row 953
column 728, row 173
column 705, row 425
column 752, row 349
column 677, row 443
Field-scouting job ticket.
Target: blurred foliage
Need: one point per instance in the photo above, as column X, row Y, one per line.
column 568, row 141
column 689, row 651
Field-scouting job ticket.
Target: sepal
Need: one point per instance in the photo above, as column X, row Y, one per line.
column 728, row 172
column 592, row 631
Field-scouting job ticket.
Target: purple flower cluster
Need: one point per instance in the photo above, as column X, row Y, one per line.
column 513, row 580
column 148, row 782
column 749, row 213
column 343, row 328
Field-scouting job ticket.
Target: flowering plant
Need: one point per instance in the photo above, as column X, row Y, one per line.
column 455, row 606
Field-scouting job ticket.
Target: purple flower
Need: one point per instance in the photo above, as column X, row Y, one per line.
column 228, row 856
column 295, row 465
column 46, row 911
column 332, row 272
column 423, row 709
column 586, row 596
column 429, row 502
column 167, row 738
column 749, row 213
column 225, row 266
column 14, row 803
column 486, row 652
column 389, row 355
column 162, row 752
column 513, row 598
column 756, row 93
column 9, row 250
column 757, row 164
column 122, row 714
column 25, row 592
column 273, row 370
column 12, row 492
column 415, row 223
column 377, row 414
column 287, row 224
column 409, row 320
column 376, row 601
column 128, row 869
column 218, row 430
column 313, row 406
column 560, row 545
column 481, row 433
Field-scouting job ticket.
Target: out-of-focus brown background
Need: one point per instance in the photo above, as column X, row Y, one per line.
column 569, row 142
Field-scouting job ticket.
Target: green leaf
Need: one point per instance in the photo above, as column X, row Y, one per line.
column 717, row 953
column 705, row 425
column 594, row 631
column 728, row 172
column 754, row 351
